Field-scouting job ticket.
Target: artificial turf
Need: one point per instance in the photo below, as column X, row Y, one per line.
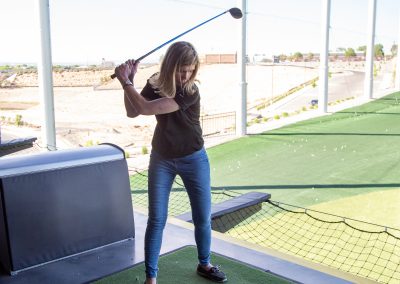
column 346, row 154
column 180, row 267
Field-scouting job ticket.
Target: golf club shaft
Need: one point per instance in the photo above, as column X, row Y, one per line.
column 178, row 36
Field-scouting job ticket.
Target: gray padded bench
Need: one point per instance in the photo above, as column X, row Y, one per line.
column 225, row 215
column 59, row 204
column 15, row 145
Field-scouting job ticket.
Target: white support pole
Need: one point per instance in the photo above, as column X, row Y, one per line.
column 397, row 78
column 369, row 65
column 45, row 76
column 241, row 116
column 324, row 56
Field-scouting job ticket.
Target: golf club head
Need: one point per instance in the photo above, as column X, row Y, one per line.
column 236, row 13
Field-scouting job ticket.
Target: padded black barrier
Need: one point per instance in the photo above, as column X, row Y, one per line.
column 58, row 204
column 227, row 214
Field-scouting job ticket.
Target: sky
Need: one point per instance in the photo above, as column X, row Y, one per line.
column 86, row 31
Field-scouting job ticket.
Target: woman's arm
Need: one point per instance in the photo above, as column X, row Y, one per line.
column 131, row 111
column 137, row 104
column 145, row 107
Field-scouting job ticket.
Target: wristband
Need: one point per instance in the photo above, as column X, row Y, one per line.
column 127, row 83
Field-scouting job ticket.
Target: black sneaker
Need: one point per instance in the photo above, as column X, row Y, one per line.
column 213, row 274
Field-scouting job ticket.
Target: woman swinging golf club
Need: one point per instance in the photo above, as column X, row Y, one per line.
column 177, row 149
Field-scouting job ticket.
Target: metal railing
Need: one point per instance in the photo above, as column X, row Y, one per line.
column 218, row 124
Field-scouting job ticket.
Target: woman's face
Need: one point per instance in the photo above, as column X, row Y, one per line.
column 183, row 74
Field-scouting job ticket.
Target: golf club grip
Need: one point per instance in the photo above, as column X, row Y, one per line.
column 139, row 59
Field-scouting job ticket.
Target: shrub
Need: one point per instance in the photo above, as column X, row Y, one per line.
column 259, row 107
column 90, row 143
column 375, row 71
column 18, row 120
column 105, row 79
column 144, row 150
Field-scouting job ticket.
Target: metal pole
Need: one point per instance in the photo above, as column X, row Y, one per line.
column 241, row 118
column 323, row 60
column 272, row 82
column 369, row 65
column 45, row 76
column 397, row 79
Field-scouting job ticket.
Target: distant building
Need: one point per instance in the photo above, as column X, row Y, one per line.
column 220, row 58
column 107, row 64
column 261, row 58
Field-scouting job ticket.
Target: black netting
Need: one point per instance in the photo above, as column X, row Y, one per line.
column 367, row 250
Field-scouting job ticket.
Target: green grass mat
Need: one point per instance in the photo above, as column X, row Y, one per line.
column 346, row 154
column 179, row 267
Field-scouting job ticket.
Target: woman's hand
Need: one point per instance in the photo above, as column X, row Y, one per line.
column 134, row 66
column 123, row 72
column 126, row 71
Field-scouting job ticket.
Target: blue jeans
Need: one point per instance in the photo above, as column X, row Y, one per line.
column 194, row 170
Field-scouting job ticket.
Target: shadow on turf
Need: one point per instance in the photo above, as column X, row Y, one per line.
column 302, row 186
column 325, row 134
column 358, row 113
column 285, row 186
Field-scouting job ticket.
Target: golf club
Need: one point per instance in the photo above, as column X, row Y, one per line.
column 235, row 13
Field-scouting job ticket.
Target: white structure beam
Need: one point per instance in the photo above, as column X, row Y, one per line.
column 369, row 65
column 397, row 78
column 241, row 116
column 45, row 76
column 324, row 57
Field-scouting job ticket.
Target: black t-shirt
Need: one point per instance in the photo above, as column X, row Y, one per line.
column 178, row 133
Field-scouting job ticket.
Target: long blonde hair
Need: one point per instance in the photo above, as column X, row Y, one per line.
column 179, row 54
